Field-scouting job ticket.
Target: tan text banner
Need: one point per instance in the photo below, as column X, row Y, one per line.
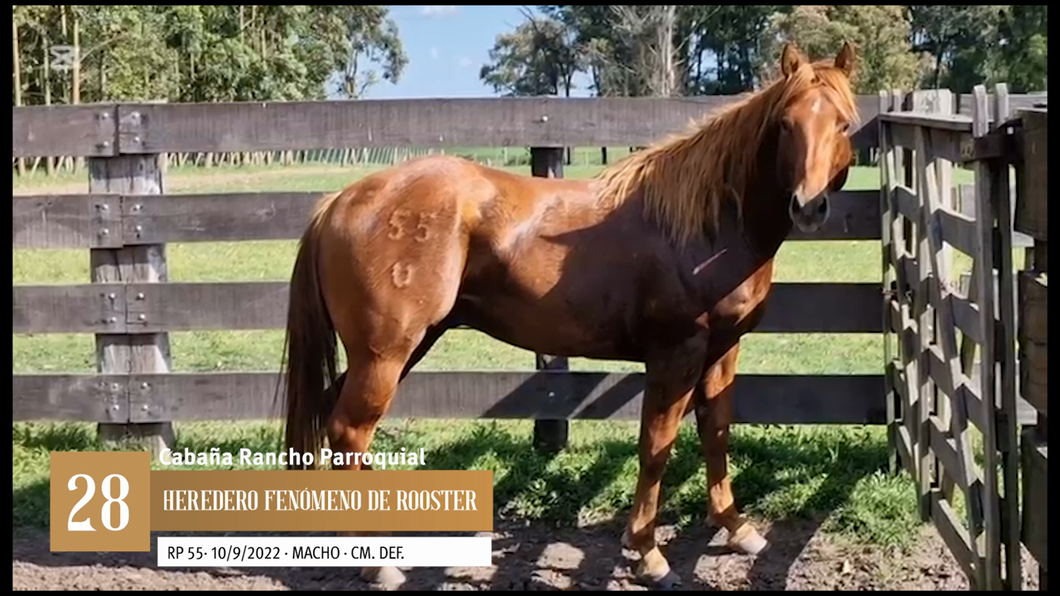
column 322, row 500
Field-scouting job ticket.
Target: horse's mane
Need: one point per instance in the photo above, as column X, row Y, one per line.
column 322, row 207
column 684, row 179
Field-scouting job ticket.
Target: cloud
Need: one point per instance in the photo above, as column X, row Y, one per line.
column 434, row 53
column 437, row 11
column 464, row 62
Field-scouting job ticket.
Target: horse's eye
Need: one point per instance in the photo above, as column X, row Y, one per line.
column 844, row 127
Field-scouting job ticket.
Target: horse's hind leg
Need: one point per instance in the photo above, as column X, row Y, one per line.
column 366, row 390
column 370, row 383
column 432, row 336
column 713, row 417
column 387, row 292
column 351, row 410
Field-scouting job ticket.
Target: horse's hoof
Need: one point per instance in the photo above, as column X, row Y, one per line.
column 748, row 541
column 383, row 578
column 655, row 571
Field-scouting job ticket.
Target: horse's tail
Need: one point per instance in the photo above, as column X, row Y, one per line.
column 309, row 348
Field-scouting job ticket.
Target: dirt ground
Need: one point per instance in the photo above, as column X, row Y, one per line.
column 534, row 557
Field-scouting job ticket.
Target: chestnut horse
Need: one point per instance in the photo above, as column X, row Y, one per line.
column 665, row 258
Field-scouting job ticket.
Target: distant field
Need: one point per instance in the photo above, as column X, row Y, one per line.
column 781, row 471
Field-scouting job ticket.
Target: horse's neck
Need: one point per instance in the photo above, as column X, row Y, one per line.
column 765, row 221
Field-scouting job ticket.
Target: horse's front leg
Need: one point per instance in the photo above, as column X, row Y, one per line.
column 713, row 417
column 670, row 382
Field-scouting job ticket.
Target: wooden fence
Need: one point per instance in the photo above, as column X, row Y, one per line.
column 929, row 389
column 126, row 219
column 953, row 405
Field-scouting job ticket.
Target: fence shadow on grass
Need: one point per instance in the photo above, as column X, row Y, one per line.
column 552, row 552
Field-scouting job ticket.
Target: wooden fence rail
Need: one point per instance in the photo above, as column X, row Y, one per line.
column 138, row 307
column 112, row 220
column 155, row 398
column 106, row 130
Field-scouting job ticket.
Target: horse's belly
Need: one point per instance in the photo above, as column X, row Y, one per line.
column 538, row 326
column 555, row 286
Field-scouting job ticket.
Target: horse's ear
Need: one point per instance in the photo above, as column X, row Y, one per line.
column 846, row 59
column 790, row 59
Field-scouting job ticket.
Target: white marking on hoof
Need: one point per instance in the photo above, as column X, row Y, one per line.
column 748, row 541
column 654, row 570
column 384, row 578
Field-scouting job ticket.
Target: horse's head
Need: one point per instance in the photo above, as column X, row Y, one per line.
column 814, row 151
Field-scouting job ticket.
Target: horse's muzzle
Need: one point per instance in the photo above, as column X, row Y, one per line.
column 811, row 216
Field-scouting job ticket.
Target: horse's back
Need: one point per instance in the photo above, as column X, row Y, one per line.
column 410, row 240
column 430, row 187
column 437, row 199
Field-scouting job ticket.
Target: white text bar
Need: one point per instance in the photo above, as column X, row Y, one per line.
column 325, row 551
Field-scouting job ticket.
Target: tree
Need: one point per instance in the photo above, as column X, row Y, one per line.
column 880, row 33
column 737, row 37
column 962, row 40
column 592, row 34
column 538, row 58
column 195, row 53
column 373, row 38
column 651, row 30
column 1023, row 48
column 811, row 27
column 618, row 43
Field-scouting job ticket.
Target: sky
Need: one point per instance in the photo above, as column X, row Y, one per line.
column 446, row 47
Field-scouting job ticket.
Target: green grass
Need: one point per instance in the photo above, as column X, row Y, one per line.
column 780, row 471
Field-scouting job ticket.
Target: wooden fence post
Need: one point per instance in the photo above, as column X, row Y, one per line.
column 130, row 353
column 890, row 285
column 550, row 436
column 1002, row 204
column 939, row 101
column 1030, row 216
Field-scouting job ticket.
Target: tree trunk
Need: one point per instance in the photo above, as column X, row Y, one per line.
column 938, row 67
column 75, row 80
column 64, row 34
column 102, row 78
column 49, row 161
column 20, row 162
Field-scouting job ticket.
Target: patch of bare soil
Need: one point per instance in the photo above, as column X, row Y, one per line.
column 536, row 557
